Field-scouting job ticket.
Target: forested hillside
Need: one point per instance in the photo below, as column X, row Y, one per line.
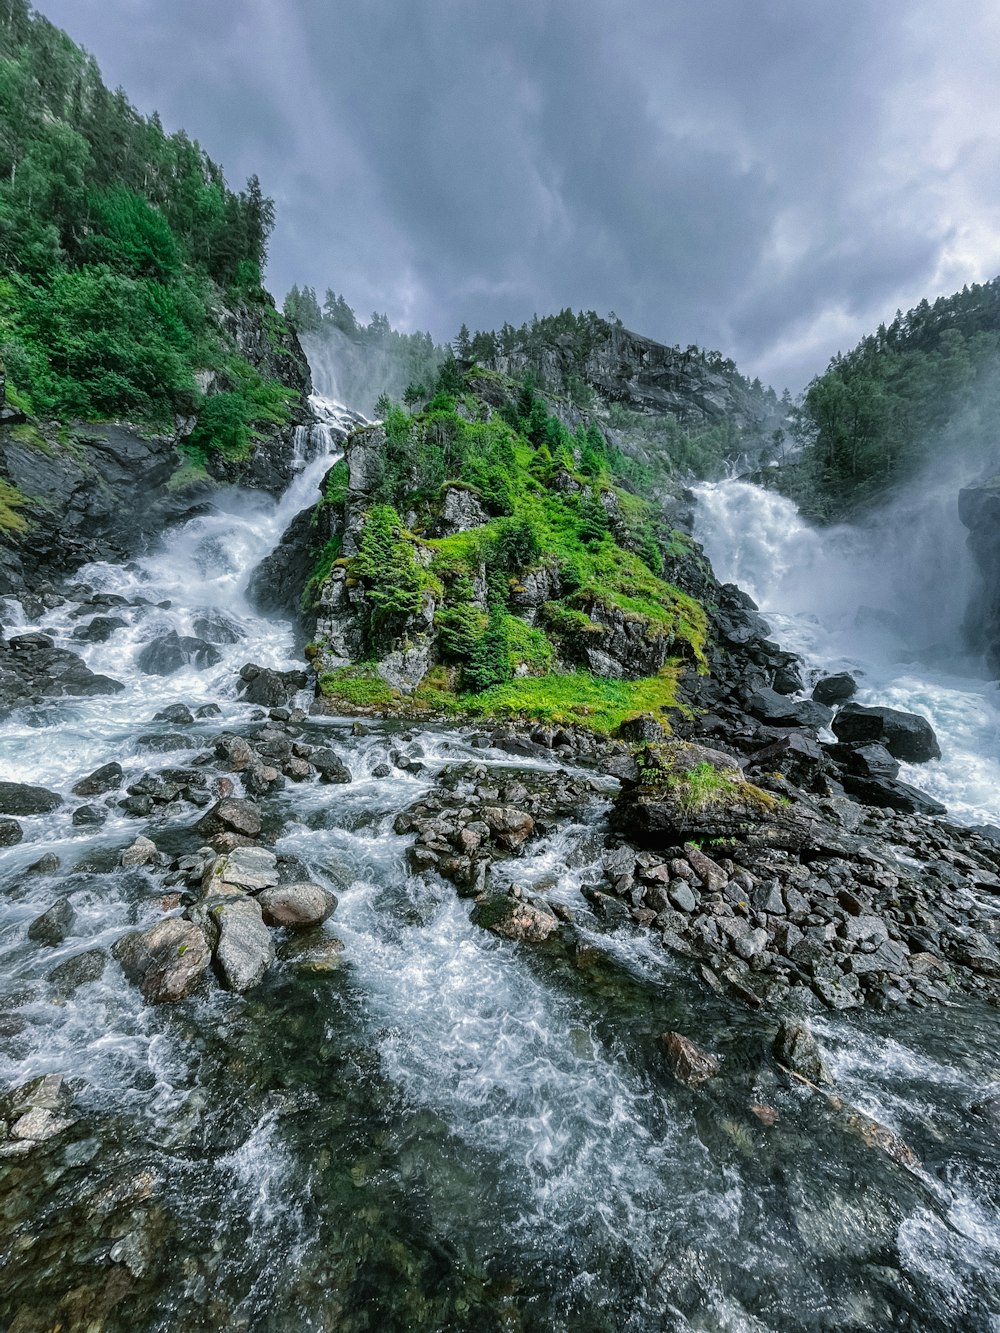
column 124, row 257
column 925, row 384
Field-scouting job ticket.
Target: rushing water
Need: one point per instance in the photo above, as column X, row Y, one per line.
column 450, row 1132
column 885, row 601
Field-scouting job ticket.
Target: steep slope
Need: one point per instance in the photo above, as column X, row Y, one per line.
column 140, row 355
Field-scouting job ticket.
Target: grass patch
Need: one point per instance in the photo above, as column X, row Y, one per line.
column 11, row 501
column 360, row 685
column 578, row 699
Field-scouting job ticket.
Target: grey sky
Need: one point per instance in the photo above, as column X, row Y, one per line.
column 766, row 177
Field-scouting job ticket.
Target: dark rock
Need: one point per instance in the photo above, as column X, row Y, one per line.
column 906, row 736
column 208, row 710
column 888, row 794
column 831, row 690
column 108, row 777
column 177, row 714
column 170, row 652
column 11, row 833
column 45, row 865
column 231, row 815
column 330, row 766
column 89, row 816
column 53, row 926
column 167, row 961
column 689, row 1065
column 77, row 971
column 796, row 1048
column 865, row 761
column 98, row 630
column 777, row 710
column 641, row 730
column 514, row 919
column 796, row 756
column 17, row 798
column 270, row 689
column 216, row 627
column 313, row 951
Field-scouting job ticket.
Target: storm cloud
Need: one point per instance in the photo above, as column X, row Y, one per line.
column 768, row 179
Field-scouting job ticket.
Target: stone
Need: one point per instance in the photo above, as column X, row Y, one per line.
column 688, row 1063
column 313, row 951
column 248, row 868
column 796, row 1048
column 177, row 714
column 77, row 971
column 89, row 816
column 508, row 826
column 140, row 853
column 330, row 766
column 109, row 777
column 641, row 730
column 40, row 1124
column 17, row 798
column 682, row 898
column 270, row 689
column 170, row 652
column 906, row 736
column 836, row 689
column 296, row 906
column 778, row 710
column 167, row 961
column 235, row 751
column 712, row 876
column 45, row 865
column 54, row 925
column 514, row 919
column 231, row 815
column 245, row 949
column 11, row 833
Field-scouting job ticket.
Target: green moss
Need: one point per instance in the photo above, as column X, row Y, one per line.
column 703, row 786
column 190, row 473
column 28, row 434
column 11, row 501
column 360, row 686
column 577, row 699
column 325, row 561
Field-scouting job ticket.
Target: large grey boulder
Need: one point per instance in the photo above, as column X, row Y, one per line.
column 18, row 798
column 166, row 962
column 296, row 906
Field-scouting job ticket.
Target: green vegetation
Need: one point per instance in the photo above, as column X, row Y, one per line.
column 702, row 786
column 11, row 501
column 360, row 686
column 118, row 245
column 577, row 699
column 919, row 387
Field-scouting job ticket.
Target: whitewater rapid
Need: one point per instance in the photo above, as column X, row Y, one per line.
column 885, row 601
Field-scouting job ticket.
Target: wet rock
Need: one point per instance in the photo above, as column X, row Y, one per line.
column 245, row 949
column 11, row 833
column 797, row 756
column 140, row 853
column 216, row 627
column 109, row 777
column 643, row 730
column 906, row 736
column 514, row 919
column 507, row 826
column 179, row 715
column 238, row 753
column 270, row 689
column 313, row 951
column 170, row 652
column 330, row 766
column 167, row 961
column 45, row 865
column 688, row 1063
column 89, row 816
column 776, row 709
column 888, row 794
column 988, row 1110
column 247, row 868
column 608, row 909
column 98, row 630
column 296, row 906
column 796, row 1048
column 831, row 690
column 54, row 925
column 208, row 710
column 77, row 971
column 231, row 815
column 17, row 798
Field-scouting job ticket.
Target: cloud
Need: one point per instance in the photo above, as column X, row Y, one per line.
column 772, row 180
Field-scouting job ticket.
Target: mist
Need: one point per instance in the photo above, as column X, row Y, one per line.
column 358, row 373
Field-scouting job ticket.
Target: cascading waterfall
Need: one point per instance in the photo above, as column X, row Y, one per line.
column 450, row 1131
column 885, row 601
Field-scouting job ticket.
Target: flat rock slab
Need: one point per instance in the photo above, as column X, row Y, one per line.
column 249, row 868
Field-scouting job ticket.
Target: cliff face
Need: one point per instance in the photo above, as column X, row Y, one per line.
column 82, row 491
column 979, row 510
column 694, row 387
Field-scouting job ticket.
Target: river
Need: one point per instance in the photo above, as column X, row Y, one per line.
column 449, row 1132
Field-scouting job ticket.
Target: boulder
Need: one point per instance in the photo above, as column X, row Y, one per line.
column 507, row 826
column 140, row 853
column 231, row 815
column 109, row 777
column 865, row 761
column 514, row 919
column 688, row 1063
column 797, row 756
column 888, row 794
column 179, row 715
column 98, row 630
column 296, row 906
column 270, row 689
column 833, row 690
column 166, row 962
column 330, row 766
column 248, row 868
column 245, row 949
column 172, row 651
column 796, row 1048
column 17, row 798
column 459, row 512
column 313, row 951
column 906, row 736
column 11, row 833
column 778, row 710
column 75, row 972
column 54, row 925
